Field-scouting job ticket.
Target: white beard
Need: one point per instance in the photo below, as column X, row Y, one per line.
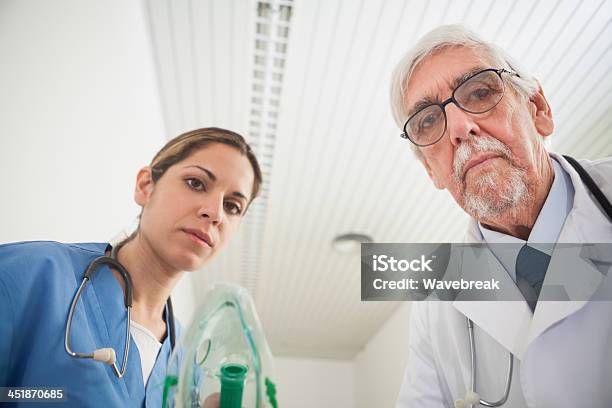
column 493, row 193
column 495, row 197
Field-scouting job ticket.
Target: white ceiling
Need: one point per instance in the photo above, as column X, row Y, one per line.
column 336, row 164
column 92, row 77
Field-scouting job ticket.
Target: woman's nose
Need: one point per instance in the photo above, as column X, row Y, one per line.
column 212, row 209
column 460, row 124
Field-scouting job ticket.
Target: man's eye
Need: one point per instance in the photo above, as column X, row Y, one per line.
column 232, row 208
column 428, row 121
column 195, row 184
column 480, row 93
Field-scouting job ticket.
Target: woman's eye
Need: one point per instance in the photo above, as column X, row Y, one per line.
column 195, row 184
column 232, row 208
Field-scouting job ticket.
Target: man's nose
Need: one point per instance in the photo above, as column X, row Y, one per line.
column 212, row 209
column 460, row 124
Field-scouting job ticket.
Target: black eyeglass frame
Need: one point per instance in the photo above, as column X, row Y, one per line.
column 442, row 105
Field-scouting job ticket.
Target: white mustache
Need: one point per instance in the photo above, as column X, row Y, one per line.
column 465, row 151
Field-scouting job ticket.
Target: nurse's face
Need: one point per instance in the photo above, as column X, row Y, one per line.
column 196, row 206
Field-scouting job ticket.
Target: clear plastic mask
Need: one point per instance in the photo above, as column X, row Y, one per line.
column 223, row 351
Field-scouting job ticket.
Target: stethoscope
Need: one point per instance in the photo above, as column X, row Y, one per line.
column 471, row 396
column 108, row 355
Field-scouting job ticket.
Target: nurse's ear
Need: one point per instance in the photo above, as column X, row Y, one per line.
column 144, row 186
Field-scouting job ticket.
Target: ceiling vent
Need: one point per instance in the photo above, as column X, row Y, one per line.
column 272, row 26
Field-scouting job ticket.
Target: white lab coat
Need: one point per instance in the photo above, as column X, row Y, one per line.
column 563, row 352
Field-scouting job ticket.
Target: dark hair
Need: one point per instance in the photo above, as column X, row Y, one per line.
column 184, row 145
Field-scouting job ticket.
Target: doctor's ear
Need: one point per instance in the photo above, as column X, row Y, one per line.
column 144, row 186
column 541, row 113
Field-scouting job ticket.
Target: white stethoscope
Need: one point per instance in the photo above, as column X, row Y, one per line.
column 108, row 355
column 471, row 396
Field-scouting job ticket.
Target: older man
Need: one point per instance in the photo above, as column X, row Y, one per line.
column 477, row 122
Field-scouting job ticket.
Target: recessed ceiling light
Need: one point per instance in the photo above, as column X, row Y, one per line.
column 351, row 242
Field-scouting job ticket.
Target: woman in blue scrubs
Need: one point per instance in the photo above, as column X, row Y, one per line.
column 193, row 197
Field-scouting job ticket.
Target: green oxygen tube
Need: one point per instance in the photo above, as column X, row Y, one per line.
column 232, row 384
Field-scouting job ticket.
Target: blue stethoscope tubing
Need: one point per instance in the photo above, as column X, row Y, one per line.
column 108, row 355
column 471, row 397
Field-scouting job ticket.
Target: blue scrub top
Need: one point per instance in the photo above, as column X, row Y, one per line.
column 37, row 283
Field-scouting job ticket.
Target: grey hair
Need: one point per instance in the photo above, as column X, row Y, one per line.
column 447, row 36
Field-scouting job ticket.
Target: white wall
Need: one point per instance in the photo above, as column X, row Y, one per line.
column 78, row 88
column 314, row 383
column 379, row 367
column 371, row 380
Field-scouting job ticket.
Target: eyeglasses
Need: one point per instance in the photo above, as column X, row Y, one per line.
column 477, row 94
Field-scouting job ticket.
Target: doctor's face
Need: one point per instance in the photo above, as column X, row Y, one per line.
column 191, row 212
column 489, row 162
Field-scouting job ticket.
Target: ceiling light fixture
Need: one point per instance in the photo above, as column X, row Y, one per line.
column 350, row 243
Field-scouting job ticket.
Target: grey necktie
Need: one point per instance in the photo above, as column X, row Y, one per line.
column 531, row 266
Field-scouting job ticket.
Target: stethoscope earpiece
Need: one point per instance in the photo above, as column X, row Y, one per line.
column 105, row 355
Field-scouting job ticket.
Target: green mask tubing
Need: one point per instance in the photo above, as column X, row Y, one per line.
column 232, row 383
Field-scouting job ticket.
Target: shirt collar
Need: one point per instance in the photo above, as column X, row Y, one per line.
column 546, row 229
column 552, row 216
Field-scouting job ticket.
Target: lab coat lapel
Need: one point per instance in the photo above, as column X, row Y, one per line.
column 584, row 223
column 107, row 301
column 580, row 271
column 487, row 315
column 520, row 327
